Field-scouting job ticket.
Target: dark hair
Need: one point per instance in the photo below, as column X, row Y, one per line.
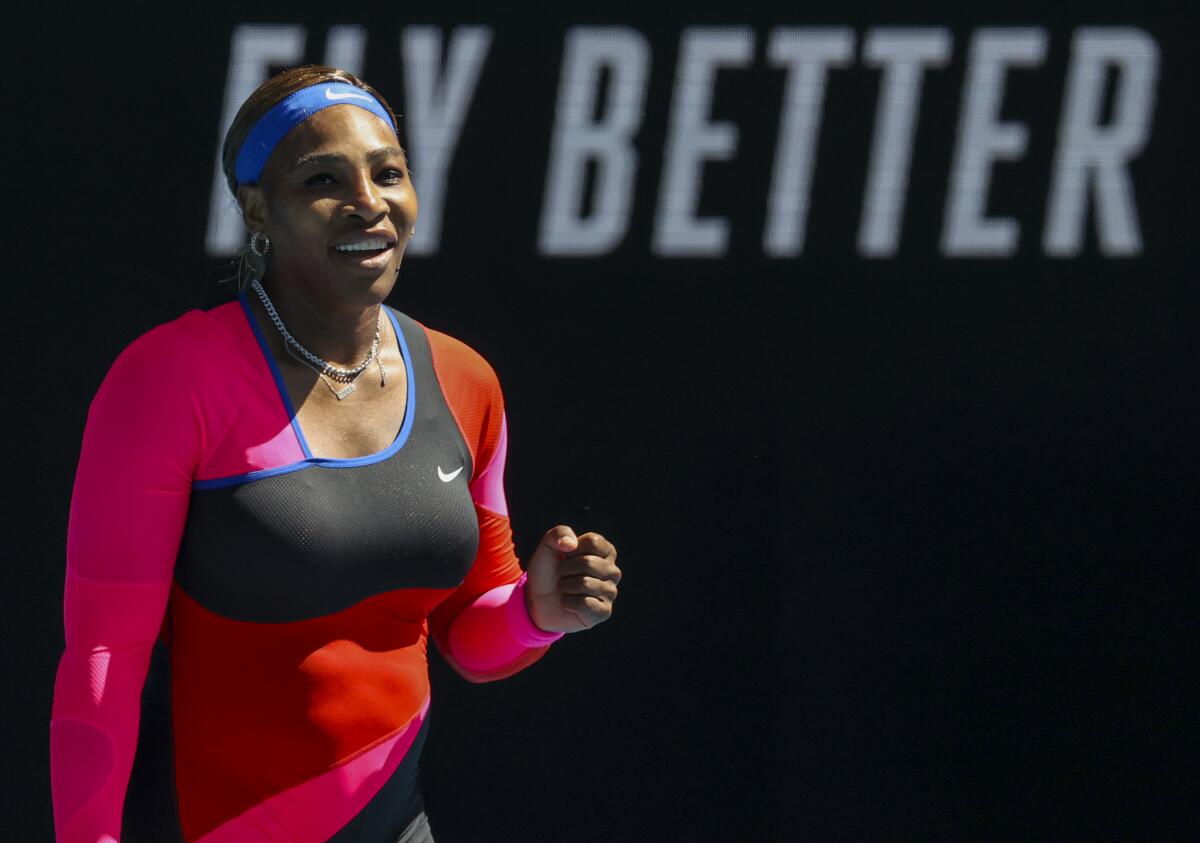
column 265, row 97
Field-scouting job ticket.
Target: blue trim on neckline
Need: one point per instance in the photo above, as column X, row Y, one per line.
column 280, row 386
column 410, row 403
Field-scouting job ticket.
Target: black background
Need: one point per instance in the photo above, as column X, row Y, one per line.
column 909, row 543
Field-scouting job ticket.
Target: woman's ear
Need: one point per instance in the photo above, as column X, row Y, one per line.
column 254, row 206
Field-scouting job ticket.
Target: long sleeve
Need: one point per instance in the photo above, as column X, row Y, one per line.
column 483, row 628
column 140, row 446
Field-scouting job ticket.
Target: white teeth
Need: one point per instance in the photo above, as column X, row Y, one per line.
column 364, row 246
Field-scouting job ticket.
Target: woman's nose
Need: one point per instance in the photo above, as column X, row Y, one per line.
column 366, row 199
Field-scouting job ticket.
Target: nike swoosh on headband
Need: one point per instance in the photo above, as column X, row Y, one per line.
column 330, row 95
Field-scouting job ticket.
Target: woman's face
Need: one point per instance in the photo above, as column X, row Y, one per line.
column 336, row 200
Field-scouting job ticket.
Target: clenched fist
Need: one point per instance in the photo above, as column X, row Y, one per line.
column 572, row 580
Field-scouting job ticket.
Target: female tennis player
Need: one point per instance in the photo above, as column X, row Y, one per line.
column 278, row 501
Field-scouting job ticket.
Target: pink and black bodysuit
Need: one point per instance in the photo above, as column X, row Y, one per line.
column 280, row 602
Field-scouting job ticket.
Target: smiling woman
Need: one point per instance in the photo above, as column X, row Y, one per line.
column 273, row 535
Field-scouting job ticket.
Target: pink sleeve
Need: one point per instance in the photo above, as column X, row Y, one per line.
column 492, row 635
column 495, row 631
column 140, row 446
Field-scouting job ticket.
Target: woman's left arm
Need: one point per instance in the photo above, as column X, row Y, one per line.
column 500, row 620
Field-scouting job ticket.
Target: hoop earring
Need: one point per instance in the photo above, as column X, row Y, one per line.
column 254, row 244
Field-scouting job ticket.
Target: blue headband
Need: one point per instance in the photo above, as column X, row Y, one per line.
column 295, row 109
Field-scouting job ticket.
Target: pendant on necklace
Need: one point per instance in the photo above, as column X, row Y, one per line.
column 342, row 393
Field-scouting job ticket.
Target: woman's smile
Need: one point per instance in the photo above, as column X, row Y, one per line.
column 369, row 251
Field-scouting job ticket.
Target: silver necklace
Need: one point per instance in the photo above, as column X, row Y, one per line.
column 351, row 386
column 327, row 371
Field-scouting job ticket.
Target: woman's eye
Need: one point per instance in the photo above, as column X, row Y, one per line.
column 320, row 178
column 392, row 176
